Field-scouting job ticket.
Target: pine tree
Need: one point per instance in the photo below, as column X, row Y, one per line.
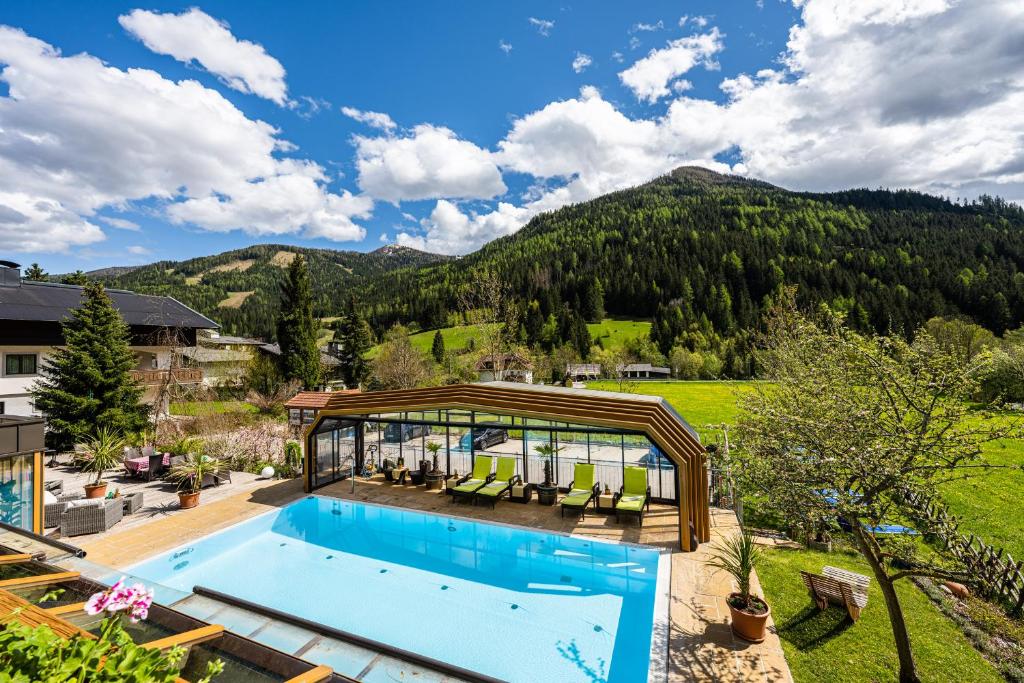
column 593, row 301
column 437, row 348
column 86, row 384
column 296, row 327
column 35, row 273
column 355, row 339
column 580, row 335
column 75, row 278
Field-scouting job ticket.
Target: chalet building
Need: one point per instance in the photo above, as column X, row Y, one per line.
column 511, row 367
column 223, row 359
column 30, row 317
column 643, row 371
column 583, row 372
column 331, row 364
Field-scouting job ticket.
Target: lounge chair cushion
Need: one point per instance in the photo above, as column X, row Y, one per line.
column 482, row 467
column 492, row 489
column 583, row 477
column 634, row 481
column 470, row 485
column 48, row 498
column 631, row 503
column 502, row 478
column 86, row 503
column 578, row 498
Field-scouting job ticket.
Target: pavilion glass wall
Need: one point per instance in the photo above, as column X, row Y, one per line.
column 334, row 450
column 388, row 439
column 16, row 492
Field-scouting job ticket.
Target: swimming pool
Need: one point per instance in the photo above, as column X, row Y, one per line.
column 513, row 603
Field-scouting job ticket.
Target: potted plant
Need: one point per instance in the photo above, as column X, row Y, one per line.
column 104, row 451
column 190, row 474
column 435, row 477
column 547, row 491
column 738, row 555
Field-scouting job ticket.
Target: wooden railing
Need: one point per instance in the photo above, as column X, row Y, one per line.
column 175, row 375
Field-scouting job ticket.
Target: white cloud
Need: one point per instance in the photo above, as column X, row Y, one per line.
column 638, row 27
column 699, row 21
column 138, row 250
column 450, row 231
column 77, row 135
column 544, row 26
column 581, row 62
column 194, row 35
column 31, row 223
column 618, row 57
column 373, row 119
column 649, row 78
column 429, row 163
column 120, row 223
column 505, row 46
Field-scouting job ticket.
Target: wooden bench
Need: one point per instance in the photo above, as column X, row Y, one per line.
column 838, row 586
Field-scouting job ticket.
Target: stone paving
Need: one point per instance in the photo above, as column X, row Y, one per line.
column 701, row 644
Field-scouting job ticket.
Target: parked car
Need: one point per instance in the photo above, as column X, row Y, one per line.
column 483, row 438
column 399, row 432
column 654, row 459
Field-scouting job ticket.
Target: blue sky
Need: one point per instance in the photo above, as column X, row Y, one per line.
column 136, row 133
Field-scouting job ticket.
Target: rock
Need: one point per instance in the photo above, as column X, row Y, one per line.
column 958, row 589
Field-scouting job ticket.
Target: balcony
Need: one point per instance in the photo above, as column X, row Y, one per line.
column 173, row 376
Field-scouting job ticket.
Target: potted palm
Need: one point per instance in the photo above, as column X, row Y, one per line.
column 547, row 491
column 435, row 477
column 190, row 474
column 104, row 451
column 738, row 556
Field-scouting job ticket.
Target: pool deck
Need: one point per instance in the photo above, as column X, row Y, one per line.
column 701, row 645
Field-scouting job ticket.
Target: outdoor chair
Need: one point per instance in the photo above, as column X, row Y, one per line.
column 89, row 517
column 468, row 486
column 582, row 489
column 53, row 509
column 840, row 587
column 634, row 496
column 504, row 479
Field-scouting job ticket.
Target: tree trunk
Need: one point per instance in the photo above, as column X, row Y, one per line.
column 908, row 670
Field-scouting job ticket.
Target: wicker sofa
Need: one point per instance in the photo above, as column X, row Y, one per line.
column 91, row 519
column 53, row 511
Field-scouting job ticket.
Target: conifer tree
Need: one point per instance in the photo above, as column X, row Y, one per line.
column 437, row 348
column 35, row 273
column 75, row 278
column 297, row 328
column 355, row 339
column 86, row 384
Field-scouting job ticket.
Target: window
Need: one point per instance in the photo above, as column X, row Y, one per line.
column 20, row 364
column 2, row 411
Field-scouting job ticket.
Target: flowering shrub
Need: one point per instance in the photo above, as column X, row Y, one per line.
column 37, row 654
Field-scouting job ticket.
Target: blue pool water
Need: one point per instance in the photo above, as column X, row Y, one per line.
column 516, row 604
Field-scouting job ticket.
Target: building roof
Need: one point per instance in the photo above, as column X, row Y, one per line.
column 325, row 358
column 512, row 361
column 204, row 354
column 48, row 301
column 642, row 367
column 227, row 339
column 583, row 368
column 317, row 400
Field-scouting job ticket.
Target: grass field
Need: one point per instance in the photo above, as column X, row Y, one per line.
column 827, row 646
column 198, row 408
column 613, row 334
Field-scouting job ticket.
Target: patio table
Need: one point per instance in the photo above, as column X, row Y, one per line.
column 141, row 464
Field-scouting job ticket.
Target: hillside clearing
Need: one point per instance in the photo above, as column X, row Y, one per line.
column 234, row 300
column 282, row 259
column 614, row 333
column 240, row 265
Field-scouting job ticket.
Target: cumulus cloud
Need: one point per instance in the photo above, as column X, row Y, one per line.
column 120, row 223
column 543, row 26
column 32, row 223
column 649, row 78
column 581, row 62
column 450, row 231
column 373, row 119
column 77, row 135
column 505, row 46
column 194, row 35
column 430, row 162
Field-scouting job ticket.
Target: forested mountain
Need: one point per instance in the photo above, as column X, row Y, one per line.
column 695, row 251
column 240, row 289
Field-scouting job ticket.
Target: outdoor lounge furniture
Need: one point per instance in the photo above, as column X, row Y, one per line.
column 471, row 483
column 132, row 502
column 582, row 489
column 504, row 478
column 838, row 586
column 635, row 494
column 89, row 517
column 54, row 509
column 55, row 487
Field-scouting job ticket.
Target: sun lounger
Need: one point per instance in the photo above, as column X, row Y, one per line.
column 635, row 494
column 471, row 483
column 504, row 478
column 582, row 489
column 839, row 586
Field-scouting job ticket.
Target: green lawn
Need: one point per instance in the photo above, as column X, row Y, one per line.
column 615, row 333
column 827, row 646
column 198, row 408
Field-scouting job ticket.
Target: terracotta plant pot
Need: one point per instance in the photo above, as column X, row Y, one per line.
column 749, row 627
column 96, row 490
column 188, row 500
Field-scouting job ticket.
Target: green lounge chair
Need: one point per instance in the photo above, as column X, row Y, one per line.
column 504, row 479
column 582, row 489
column 635, row 494
column 471, row 483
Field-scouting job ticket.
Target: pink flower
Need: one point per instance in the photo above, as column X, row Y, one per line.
column 135, row 600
